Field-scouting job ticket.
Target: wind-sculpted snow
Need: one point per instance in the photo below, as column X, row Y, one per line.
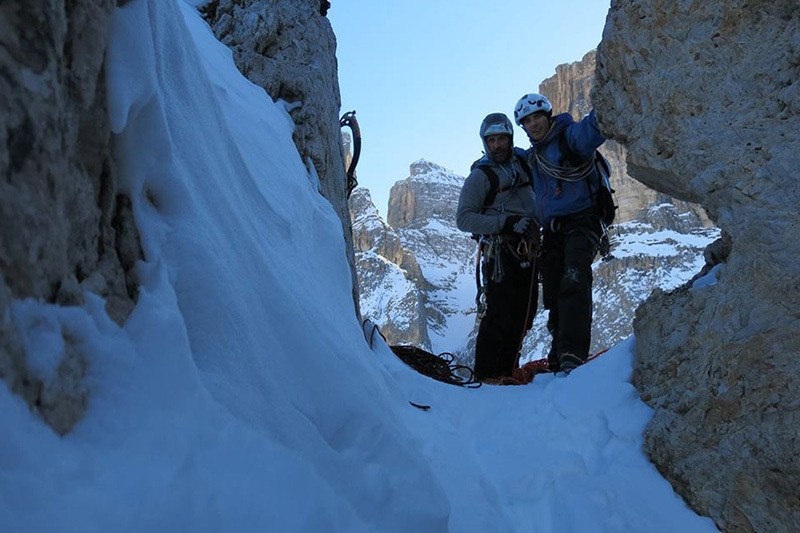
column 227, row 401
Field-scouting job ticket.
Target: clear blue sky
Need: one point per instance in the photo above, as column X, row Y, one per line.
column 422, row 74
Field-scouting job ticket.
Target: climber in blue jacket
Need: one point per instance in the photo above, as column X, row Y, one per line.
column 561, row 160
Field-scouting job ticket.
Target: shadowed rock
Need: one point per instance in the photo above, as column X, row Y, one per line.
column 706, row 100
column 64, row 229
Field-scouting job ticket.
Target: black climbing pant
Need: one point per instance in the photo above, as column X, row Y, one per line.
column 566, row 269
column 508, row 302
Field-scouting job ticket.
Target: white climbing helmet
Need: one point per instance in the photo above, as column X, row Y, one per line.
column 530, row 104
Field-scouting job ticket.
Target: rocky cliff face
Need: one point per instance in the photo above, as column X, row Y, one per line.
column 422, row 208
column 706, row 100
column 569, row 89
column 393, row 290
column 64, row 229
column 422, row 198
column 289, row 49
column 427, row 299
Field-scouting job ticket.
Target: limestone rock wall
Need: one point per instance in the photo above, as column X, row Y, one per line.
column 413, row 202
column 378, row 236
column 705, row 97
column 64, row 229
column 391, row 284
column 289, row 49
column 570, row 87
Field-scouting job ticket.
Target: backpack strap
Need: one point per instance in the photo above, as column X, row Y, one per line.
column 523, row 162
column 494, row 182
column 494, row 185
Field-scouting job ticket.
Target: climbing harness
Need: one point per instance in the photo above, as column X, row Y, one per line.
column 490, row 247
column 349, row 120
column 605, row 203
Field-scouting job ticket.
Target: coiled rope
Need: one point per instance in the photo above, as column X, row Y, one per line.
column 564, row 173
column 440, row 367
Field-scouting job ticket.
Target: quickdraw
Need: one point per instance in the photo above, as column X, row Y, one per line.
column 349, row 120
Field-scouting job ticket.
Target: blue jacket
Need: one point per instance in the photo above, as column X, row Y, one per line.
column 582, row 138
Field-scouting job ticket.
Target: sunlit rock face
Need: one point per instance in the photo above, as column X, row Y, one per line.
column 64, row 229
column 289, row 49
column 705, row 98
column 392, row 289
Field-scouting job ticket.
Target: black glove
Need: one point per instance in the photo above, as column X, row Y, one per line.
column 518, row 224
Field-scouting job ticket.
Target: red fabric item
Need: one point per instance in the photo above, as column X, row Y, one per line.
column 526, row 372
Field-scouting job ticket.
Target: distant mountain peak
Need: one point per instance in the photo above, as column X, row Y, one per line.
column 423, row 166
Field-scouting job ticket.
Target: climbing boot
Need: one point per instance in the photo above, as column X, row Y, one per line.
column 568, row 362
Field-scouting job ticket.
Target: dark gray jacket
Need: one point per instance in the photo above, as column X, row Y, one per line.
column 517, row 200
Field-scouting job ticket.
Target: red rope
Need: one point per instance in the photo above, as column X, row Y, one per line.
column 528, row 371
column 595, row 356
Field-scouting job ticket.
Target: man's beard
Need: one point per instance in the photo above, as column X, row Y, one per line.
column 501, row 156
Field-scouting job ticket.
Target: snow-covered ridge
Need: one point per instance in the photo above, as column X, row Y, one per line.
column 431, row 172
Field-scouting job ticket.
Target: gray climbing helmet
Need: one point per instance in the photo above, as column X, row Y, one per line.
column 496, row 124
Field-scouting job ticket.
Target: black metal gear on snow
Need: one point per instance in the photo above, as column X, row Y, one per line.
column 440, row 367
column 349, row 120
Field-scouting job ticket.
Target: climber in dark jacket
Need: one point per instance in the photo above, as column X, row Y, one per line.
column 502, row 217
column 561, row 157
